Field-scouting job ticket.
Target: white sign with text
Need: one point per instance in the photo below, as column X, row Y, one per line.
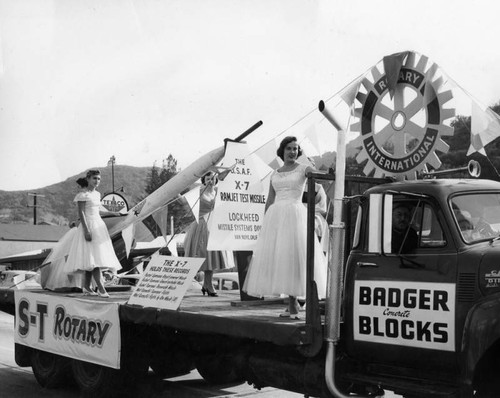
column 87, row 330
column 238, row 213
column 165, row 281
column 414, row 314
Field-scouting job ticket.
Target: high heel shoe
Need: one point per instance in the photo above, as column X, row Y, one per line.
column 103, row 295
column 87, row 292
column 209, row 293
column 295, row 317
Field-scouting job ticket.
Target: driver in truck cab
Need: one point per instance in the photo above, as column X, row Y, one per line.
column 404, row 237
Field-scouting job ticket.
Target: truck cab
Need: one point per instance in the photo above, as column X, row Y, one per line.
column 421, row 310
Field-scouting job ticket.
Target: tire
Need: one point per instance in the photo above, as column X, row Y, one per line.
column 95, row 381
column 487, row 390
column 174, row 363
column 50, row 370
column 219, row 368
column 485, row 384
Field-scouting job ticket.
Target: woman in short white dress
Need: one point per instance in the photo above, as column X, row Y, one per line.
column 85, row 251
column 278, row 264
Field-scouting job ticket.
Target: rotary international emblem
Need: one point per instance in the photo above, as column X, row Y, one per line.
column 401, row 131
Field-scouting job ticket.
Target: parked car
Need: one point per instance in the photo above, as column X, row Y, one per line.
column 226, row 281
column 19, row 279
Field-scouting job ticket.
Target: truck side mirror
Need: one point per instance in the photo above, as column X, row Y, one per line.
column 380, row 223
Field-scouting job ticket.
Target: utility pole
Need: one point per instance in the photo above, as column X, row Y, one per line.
column 112, row 161
column 34, row 205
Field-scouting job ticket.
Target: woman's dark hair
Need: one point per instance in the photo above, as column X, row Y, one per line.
column 83, row 181
column 284, row 142
column 206, row 175
column 91, row 173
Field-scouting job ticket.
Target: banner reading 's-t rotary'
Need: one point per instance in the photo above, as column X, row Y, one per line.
column 83, row 329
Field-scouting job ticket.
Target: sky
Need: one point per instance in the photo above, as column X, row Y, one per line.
column 81, row 81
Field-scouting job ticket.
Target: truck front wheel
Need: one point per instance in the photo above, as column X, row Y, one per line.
column 50, row 370
column 487, row 389
column 95, row 381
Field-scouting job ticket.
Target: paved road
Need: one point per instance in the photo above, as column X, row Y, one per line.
column 19, row 382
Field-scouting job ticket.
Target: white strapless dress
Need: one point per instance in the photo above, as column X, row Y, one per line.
column 278, row 265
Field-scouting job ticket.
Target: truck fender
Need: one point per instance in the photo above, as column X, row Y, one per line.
column 481, row 334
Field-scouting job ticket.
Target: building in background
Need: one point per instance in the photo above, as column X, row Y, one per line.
column 20, row 238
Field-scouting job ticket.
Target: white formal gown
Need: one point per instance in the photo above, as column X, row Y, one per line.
column 278, row 265
column 73, row 254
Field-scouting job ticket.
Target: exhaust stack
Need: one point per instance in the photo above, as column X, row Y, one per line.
column 335, row 259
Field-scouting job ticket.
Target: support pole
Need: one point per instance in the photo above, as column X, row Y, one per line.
column 335, row 260
column 34, row 205
column 112, row 160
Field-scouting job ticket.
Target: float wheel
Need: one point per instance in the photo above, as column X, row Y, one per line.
column 95, row 381
column 219, row 368
column 175, row 363
column 50, row 370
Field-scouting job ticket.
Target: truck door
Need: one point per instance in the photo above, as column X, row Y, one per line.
column 400, row 300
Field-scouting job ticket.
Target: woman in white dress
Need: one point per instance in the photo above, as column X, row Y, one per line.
column 278, row 265
column 85, row 251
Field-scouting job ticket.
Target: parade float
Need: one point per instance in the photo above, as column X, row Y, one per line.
column 419, row 323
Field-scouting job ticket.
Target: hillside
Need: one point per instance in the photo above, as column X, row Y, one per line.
column 57, row 207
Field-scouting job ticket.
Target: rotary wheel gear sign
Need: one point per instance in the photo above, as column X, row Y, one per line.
column 400, row 135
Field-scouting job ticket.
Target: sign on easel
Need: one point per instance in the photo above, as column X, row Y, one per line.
column 238, row 213
column 165, row 281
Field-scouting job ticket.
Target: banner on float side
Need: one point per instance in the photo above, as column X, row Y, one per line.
column 165, row 281
column 87, row 330
column 238, row 213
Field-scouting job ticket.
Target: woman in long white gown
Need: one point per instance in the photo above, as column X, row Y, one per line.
column 84, row 251
column 278, row 264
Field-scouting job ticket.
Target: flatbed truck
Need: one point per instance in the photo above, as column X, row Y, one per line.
column 423, row 323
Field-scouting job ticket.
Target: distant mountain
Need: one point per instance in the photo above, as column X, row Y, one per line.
column 57, row 207
column 328, row 159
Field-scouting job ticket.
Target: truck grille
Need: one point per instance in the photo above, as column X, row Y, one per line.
column 466, row 287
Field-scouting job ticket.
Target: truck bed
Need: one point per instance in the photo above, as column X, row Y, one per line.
column 224, row 314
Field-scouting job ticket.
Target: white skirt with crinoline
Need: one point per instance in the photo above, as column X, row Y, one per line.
column 278, row 265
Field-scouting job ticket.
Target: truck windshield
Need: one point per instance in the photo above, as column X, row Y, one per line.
column 477, row 215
